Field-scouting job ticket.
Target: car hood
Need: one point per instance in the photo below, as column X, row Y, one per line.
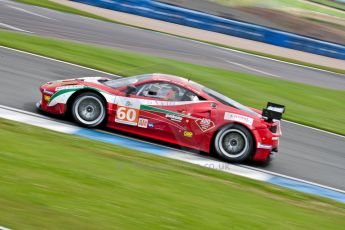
column 57, row 85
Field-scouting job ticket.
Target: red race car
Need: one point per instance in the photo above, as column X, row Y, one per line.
column 170, row 109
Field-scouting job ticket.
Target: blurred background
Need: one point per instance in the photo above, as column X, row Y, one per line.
column 58, row 175
column 322, row 19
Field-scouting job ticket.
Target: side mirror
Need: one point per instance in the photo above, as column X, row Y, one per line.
column 130, row 90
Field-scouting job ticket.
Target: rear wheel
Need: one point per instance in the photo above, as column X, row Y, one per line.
column 234, row 143
column 88, row 110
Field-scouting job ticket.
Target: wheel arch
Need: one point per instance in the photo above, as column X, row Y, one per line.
column 79, row 92
column 229, row 125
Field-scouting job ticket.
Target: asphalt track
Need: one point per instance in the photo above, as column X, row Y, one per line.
column 41, row 21
column 305, row 153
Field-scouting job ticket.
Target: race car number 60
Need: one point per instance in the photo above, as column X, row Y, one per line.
column 127, row 115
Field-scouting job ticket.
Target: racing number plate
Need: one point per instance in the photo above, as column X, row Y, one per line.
column 127, row 115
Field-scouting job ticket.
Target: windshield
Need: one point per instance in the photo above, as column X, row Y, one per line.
column 228, row 101
column 121, row 82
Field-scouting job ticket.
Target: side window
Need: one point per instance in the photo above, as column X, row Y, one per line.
column 166, row 91
column 190, row 96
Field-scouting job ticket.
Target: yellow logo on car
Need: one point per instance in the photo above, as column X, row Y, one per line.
column 47, row 97
column 187, row 134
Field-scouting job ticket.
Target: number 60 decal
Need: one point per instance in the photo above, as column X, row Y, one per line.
column 126, row 115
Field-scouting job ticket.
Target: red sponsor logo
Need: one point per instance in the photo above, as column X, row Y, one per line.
column 143, row 123
column 205, row 124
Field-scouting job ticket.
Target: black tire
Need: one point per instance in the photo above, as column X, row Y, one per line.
column 234, row 143
column 88, row 109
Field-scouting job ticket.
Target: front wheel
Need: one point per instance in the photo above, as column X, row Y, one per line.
column 234, row 143
column 88, row 110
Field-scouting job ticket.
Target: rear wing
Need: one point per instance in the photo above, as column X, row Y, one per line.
column 273, row 111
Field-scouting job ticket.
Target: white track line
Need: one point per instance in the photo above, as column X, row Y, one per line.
column 3, row 228
column 292, row 178
column 228, row 49
column 14, row 28
column 251, row 68
column 316, row 129
column 209, row 161
column 68, row 63
column 30, row 118
column 52, row 59
column 205, row 161
column 29, row 12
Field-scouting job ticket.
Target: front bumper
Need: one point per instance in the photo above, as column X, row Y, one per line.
column 58, row 109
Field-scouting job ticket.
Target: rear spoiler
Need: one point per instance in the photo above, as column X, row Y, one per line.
column 273, row 111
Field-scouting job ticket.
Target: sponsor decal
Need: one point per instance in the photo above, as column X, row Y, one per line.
column 239, row 118
column 128, row 104
column 151, row 125
column 127, row 111
column 188, row 134
column 45, row 91
column 174, row 117
column 205, row 124
column 46, row 97
column 142, row 123
column 91, row 79
column 69, row 87
column 264, row 146
column 126, row 115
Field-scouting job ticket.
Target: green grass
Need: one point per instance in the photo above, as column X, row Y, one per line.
column 56, row 181
column 289, row 60
column 285, row 5
column 59, row 7
column 310, row 105
column 330, row 3
column 327, row 23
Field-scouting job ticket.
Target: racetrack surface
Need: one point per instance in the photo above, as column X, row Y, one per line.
column 31, row 19
column 305, row 153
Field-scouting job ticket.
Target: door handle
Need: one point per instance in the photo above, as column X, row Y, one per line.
column 181, row 110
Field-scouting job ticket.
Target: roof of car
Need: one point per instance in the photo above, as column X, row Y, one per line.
column 157, row 76
column 176, row 80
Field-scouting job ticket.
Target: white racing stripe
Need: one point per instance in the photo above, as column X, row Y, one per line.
column 14, row 28
column 29, row 12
